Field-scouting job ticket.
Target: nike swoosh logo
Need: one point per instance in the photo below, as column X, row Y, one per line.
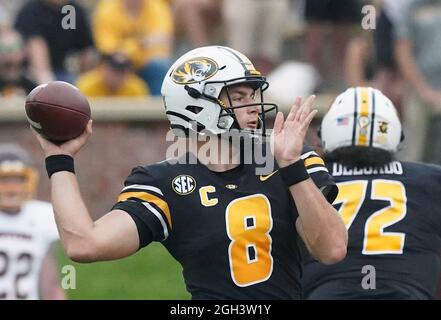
column 264, row 178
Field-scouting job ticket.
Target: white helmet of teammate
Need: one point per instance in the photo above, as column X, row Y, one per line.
column 15, row 162
column 194, row 82
column 361, row 116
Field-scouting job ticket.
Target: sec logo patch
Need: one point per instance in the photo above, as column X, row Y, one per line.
column 183, row 184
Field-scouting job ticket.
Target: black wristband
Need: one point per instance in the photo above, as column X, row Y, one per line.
column 59, row 162
column 294, row 173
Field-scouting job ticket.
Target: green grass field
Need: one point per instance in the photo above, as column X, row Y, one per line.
column 152, row 273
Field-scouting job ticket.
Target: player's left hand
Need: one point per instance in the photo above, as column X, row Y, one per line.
column 288, row 135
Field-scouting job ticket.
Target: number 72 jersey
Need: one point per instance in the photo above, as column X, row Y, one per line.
column 393, row 217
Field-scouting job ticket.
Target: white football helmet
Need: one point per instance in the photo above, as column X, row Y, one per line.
column 15, row 162
column 194, row 82
column 361, row 116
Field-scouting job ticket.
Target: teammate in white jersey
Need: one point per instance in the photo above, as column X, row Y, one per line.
column 28, row 268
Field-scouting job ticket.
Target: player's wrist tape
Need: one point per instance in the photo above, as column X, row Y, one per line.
column 59, row 162
column 294, row 173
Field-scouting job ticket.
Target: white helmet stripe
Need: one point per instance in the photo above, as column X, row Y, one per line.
column 361, row 117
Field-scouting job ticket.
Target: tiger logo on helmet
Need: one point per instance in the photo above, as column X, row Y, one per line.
column 195, row 70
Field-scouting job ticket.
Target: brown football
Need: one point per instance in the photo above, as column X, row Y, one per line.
column 57, row 110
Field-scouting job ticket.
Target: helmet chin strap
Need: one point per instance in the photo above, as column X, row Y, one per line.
column 236, row 126
column 224, row 120
column 259, row 122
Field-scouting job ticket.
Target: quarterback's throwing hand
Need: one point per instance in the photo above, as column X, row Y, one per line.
column 288, row 135
column 70, row 147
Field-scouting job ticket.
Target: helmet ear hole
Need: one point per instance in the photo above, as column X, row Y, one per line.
column 319, row 132
column 194, row 109
column 402, row 136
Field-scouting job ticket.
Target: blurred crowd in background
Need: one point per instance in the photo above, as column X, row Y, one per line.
column 124, row 47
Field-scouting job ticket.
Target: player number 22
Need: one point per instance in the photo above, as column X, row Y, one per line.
column 352, row 194
column 24, row 259
column 249, row 223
